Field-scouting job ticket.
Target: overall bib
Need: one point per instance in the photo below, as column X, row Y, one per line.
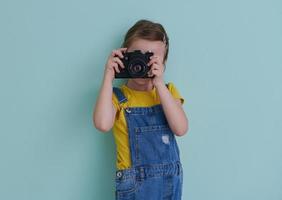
column 156, row 172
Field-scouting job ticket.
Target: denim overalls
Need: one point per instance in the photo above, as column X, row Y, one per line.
column 156, row 172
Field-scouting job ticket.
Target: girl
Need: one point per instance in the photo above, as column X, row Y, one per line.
column 145, row 114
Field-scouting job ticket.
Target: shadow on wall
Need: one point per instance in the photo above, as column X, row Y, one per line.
column 100, row 176
column 97, row 173
column 104, row 162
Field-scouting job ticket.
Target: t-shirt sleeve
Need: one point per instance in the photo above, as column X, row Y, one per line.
column 175, row 93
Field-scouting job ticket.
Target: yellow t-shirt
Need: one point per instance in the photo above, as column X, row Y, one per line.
column 134, row 98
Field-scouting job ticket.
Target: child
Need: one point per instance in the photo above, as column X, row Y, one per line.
column 145, row 114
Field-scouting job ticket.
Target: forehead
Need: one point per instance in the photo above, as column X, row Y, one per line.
column 157, row 47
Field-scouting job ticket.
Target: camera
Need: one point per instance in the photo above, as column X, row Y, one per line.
column 135, row 65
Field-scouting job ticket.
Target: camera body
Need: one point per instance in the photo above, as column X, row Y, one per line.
column 135, row 64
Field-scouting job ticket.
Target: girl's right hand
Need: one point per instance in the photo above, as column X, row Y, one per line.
column 113, row 62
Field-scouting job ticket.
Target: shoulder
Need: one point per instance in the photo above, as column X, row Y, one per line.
column 120, row 94
column 170, row 86
column 174, row 91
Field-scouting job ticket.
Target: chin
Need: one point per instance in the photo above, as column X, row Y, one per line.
column 141, row 81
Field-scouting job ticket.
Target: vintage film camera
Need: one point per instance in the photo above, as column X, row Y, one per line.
column 135, row 63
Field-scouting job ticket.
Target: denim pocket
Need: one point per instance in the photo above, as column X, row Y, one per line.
column 154, row 144
column 125, row 188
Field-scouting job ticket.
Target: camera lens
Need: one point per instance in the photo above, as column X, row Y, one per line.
column 137, row 68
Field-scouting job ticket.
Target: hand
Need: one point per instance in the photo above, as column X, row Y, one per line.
column 157, row 69
column 114, row 62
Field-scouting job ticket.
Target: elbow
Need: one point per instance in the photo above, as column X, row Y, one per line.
column 181, row 131
column 102, row 126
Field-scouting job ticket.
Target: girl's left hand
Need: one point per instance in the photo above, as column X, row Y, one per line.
column 157, row 69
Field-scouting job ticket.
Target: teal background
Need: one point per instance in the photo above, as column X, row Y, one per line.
column 225, row 59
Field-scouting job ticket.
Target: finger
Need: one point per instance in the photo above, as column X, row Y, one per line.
column 115, row 66
column 153, row 60
column 155, row 67
column 150, row 74
column 159, row 59
column 154, row 57
column 151, row 69
column 117, row 60
column 156, row 72
column 113, row 53
column 117, row 53
column 123, row 49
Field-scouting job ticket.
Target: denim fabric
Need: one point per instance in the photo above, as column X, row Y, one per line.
column 156, row 172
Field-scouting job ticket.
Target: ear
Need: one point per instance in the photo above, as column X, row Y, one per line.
column 164, row 62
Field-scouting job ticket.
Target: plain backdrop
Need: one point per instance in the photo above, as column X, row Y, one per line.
column 225, row 59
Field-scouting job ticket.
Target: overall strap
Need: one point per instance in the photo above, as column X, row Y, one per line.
column 119, row 94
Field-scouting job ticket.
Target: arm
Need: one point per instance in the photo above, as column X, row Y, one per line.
column 104, row 112
column 174, row 113
column 173, row 110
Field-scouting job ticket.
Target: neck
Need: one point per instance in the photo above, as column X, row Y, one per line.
column 145, row 86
